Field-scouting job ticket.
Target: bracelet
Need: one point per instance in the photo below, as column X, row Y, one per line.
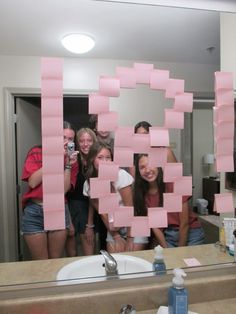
column 68, row 167
column 116, row 236
column 89, row 226
column 129, row 237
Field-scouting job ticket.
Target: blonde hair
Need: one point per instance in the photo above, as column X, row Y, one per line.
column 83, row 131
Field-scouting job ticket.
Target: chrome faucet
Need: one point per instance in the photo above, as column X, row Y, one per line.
column 110, row 263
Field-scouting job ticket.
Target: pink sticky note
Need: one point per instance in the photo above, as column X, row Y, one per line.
column 224, row 203
column 98, row 103
column 174, row 119
column 143, row 72
column 224, row 97
column 53, row 163
column 157, row 156
column 225, row 113
column 127, row 77
column 109, row 86
column 51, row 107
column 172, row 171
column 123, row 216
column 174, row 87
column 183, row 186
column 53, row 183
column 140, row 227
column 192, row 262
column 224, row 129
column 52, row 68
column 99, row 188
column 107, row 121
column 108, row 171
column 172, row 202
column 52, row 126
column 159, row 79
column 184, row 102
column 51, row 88
column 53, row 201
column 159, row 136
column 108, row 203
column 224, row 146
column 224, row 163
column 52, row 145
column 223, row 80
column 123, row 157
column 123, row 136
column 54, row 220
column 157, row 217
column 140, row 143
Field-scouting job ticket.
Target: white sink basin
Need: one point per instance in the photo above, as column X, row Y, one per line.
column 91, row 268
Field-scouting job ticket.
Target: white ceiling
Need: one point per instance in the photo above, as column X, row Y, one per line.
column 121, row 30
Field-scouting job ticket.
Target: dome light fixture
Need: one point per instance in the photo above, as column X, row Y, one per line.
column 78, row 43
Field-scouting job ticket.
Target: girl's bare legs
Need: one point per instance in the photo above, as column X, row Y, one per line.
column 87, row 246
column 71, row 247
column 56, row 243
column 37, row 244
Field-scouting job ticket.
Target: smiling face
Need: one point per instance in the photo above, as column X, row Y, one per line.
column 103, row 155
column 85, row 141
column 147, row 173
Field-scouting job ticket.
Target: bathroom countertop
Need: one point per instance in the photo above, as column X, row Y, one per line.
column 46, row 270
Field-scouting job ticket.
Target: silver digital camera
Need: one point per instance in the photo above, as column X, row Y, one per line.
column 70, row 148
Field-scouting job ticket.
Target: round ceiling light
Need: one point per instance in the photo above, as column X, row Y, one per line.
column 78, row 43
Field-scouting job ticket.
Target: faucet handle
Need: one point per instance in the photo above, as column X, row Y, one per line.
column 127, row 309
column 110, row 263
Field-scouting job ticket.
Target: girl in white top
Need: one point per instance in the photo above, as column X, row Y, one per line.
column 118, row 239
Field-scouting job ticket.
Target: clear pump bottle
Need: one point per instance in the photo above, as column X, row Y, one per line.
column 158, row 264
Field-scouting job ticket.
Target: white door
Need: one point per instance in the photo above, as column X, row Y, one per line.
column 28, row 134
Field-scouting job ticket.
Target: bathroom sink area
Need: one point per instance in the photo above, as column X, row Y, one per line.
column 92, row 268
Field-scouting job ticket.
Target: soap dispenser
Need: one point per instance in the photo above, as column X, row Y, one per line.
column 177, row 294
column 158, row 264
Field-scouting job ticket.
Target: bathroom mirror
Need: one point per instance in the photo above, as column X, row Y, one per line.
column 21, row 77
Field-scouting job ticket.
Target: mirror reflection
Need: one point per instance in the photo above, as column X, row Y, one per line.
column 134, row 106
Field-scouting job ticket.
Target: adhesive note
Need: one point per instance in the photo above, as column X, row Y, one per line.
column 157, row 217
column 99, row 188
column 225, row 146
column 53, row 183
column 98, row 103
column 183, row 186
column 184, row 102
column 224, row 129
column 54, row 220
column 53, row 145
column 109, row 86
column 174, row 119
column 52, row 68
column 51, row 88
column 123, row 136
column 123, row 156
column 174, row 87
column 224, row 203
column 224, row 163
column 108, row 203
column 123, row 217
column 53, row 163
column 51, row 107
column 108, row 170
column 223, row 80
column 191, row 262
column 224, row 97
column 107, row 121
column 172, row 171
column 172, row 202
column 140, row 143
column 127, row 77
column 225, row 113
column 159, row 136
column 55, row 202
column 143, row 72
column 140, row 227
column 157, row 156
column 159, row 79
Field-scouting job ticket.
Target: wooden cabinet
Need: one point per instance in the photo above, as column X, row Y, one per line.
column 210, row 187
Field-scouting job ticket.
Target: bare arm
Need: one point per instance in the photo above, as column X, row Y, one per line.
column 184, row 224
column 35, row 179
column 170, row 155
column 159, row 235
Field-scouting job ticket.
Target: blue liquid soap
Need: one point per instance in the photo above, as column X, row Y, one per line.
column 159, row 265
column 177, row 294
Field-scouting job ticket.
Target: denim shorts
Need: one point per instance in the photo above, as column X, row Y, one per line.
column 196, row 236
column 32, row 220
column 123, row 233
column 79, row 214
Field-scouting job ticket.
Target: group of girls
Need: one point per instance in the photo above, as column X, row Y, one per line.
column 141, row 186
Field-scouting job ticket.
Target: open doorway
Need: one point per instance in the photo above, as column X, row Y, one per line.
column 28, row 134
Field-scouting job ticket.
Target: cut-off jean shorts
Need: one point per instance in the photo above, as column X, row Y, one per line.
column 123, row 234
column 196, row 236
column 33, row 222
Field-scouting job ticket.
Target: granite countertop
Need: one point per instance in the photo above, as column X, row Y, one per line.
column 46, row 270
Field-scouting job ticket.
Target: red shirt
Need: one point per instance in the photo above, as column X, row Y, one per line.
column 33, row 162
column 153, row 200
